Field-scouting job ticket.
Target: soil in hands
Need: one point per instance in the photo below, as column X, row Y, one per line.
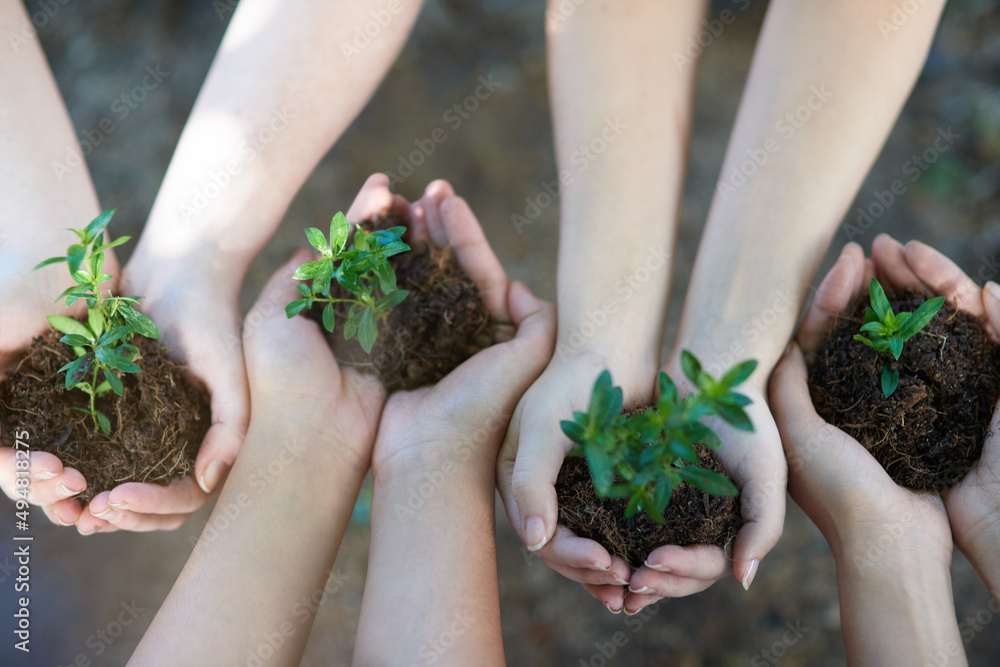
column 441, row 323
column 692, row 517
column 930, row 432
column 156, row 427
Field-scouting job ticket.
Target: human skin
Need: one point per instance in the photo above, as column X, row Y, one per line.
column 896, row 603
column 755, row 248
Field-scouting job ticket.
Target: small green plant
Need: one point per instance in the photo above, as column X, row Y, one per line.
column 101, row 344
column 651, row 453
column 889, row 331
column 359, row 270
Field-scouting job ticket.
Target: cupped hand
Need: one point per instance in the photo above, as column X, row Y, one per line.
column 832, row 477
column 973, row 505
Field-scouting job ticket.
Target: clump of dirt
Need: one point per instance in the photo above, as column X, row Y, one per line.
column 156, row 428
column 692, row 517
column 930, row 432
column 441, row 323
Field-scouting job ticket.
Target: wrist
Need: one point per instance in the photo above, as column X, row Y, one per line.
column 464, row 467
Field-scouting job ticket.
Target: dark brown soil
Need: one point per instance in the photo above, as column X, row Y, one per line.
column 156, row 427
column 693, row 516
column 441, row 323
column 930, row 432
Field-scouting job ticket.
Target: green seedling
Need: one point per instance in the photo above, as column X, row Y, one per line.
column 363, row 271
column 651, row 453
column 888, row 331
column 101, row 344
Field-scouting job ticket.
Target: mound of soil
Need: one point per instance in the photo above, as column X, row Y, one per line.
column 441, row 323
column 930, row 432
column 692, row 517
column 156, row 427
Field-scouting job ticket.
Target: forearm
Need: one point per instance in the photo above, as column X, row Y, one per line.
column 811, row 123
column 444, row 521
column 287, row 81
column 261, row 565
column 897, row 609
column 621, row 109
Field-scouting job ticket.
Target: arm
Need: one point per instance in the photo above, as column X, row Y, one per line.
column 40, row 199
column 287, row 81
column 621, row 108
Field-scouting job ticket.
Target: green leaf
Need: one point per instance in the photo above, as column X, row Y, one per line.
column 366, row 330
column 738, row 373
column 690, row 366
column 68, row 325
column 392, row 299
column 77, row 369
column 75, row 256
column 661, row 496
column 683, row 450
column 353, row 320
column 98, row 224
column 307, row 270
column 96, row 322
column 890, row 379
column 875, row 327
column 574, row 431
column 50, row 260
column 96, row 263
column 601, row 468
column 75, row 340
column 102, row 388
column 386, row 277
column 708, row 481
column 600, row 397
column 103, row 422
column 328, row 317
column 864, row 340
column 303, row 289
column 880, row 304
column 895, row 346
column 114, row 335
column 394, row 248
column 734, row 416
column 732, row 398
column 296, row 307
column 116, row 383
column 339, row 230
column 871, row 316
column 316, row 239
column 921, row 316
column 142, row 324
column 114, row 244
column 668, row 390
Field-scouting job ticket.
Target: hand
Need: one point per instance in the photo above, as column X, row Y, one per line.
column 25, row 307
column 533, row 452
column 196, row 308
column 757, row 465
column 973, row 505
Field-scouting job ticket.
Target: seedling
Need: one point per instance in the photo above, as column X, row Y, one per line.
column 889, row 331
column 101, row 344
column 653, row 452
column 359, row 270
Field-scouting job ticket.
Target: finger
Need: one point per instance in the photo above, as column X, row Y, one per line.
column 63, row 513
column 435, row 194
column 612, row 597
column 88, row 524
column 50, row 482
column 584, row 575
column 182, row 496
column 144, row 523
column 475, row 256
column 991, row 311
column 891, row 268
column 943, row 277
column 373, row 198
column 569, row 550
column 701, row 561
column 418, row 224
column 658, row 585
column 271, row 324
column 833, row 296
column 762, row 503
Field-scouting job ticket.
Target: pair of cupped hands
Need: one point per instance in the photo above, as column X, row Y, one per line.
column 285, row 362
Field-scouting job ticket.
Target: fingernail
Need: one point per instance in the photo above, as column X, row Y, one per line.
column 64, row 491
column 118, row 506
column 105, row 513
column 993, row 289
column 213, row 473
column 619, row 579
column 45, row 474
column 89, row 532
column 630, row 613
column 534, row 533
column 748, row 574
column 60, row 520
column 613, row 611
column 602, row 568
column 641, row 591
column 657, row 567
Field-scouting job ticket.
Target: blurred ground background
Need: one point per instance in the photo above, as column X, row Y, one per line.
column 499, row 156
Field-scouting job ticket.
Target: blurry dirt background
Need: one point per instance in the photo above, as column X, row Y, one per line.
column 93, row 597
